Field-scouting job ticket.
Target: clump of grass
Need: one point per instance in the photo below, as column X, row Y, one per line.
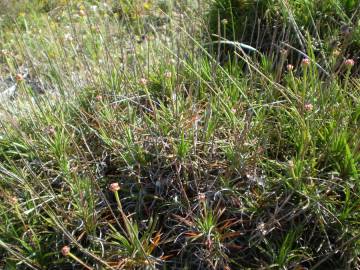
column 148, row 153
column 324, row 27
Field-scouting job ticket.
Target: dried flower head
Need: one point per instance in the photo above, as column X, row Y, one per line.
column 65, row 251
column 349, row 63
column 308, row 107
column 19, row 77
column 114, row 187
column 305, row 62
column 290, row 67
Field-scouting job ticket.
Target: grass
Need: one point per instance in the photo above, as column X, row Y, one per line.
column 327, row 27
column 146, row 152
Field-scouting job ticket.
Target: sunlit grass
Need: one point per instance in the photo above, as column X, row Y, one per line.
column 145, row 150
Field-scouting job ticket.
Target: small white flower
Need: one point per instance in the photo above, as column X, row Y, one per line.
column 261, row 227
column 68, row 37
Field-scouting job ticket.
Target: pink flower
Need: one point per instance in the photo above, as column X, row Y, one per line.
column 51, row 130
column 13, row 200
column 65, row 250
column 349, row 63
column 308, row 107
column 143, row 81
column 19, row 77
column 305, row 62
column 114, row 187
column 98, row 98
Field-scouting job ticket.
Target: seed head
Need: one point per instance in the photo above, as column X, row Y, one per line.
column 290, row 67
column 114, row 187
column 349, row 63
column 224, row 21
column 291, row 163
column 65, row 251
